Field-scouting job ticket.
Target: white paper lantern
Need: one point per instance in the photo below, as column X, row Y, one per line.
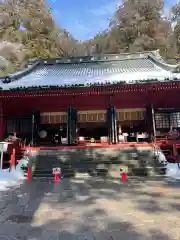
column 43, row 134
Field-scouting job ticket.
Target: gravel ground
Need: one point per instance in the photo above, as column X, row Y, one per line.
column 91, row 209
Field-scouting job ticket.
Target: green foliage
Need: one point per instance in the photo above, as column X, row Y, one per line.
column 137, row 25
column 30, row 23
column 176, row 23
column 29, row 31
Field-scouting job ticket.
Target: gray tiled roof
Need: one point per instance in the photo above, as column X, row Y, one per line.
column 141, row 68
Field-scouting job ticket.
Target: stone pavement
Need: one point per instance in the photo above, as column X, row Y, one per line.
column 91, row 209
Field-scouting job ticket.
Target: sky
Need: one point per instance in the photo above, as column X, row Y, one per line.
column 85, row 18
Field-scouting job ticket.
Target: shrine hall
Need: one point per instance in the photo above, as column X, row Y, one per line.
column 92, row 98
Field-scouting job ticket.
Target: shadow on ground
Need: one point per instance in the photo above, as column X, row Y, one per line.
column 83, row 209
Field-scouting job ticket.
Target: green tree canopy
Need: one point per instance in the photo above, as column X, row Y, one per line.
column 28, row 31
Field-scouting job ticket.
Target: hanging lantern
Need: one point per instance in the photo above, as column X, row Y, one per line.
column 43, row 134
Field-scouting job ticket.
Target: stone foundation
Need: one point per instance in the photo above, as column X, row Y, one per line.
column 99, row 161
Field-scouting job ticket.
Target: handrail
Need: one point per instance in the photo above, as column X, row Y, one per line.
column 161, row 140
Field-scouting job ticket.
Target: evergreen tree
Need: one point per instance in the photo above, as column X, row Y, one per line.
column 176, row 26
column 141, row 25
column 28, row 31
column 29, row 23
column 42, row 35
column 138, row 25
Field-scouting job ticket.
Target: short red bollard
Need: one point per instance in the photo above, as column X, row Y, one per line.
column 56, row 178
column 123, row 177
column 28, row 177
column 123, row 173
column 57, row 174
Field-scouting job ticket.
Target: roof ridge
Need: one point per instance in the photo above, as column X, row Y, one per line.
column 96, row 57
column 89, row 57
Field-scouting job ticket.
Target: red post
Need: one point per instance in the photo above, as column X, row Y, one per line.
column 56, row 178
column 28, row 177
column 174, row 150
column 12, row 159
column 123, row 176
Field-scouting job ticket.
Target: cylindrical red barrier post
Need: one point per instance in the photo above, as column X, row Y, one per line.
column 123, row 173
column 56, row 178
column 123, row 176
column 28, row 177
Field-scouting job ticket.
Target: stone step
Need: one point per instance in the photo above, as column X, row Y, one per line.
column 96, row 161
column 130, row 164
column 93, row 154
column 99, row 172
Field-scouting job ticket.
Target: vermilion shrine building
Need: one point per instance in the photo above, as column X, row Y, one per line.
column 91, row 96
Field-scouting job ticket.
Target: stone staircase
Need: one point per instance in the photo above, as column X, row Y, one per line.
column 96, row 162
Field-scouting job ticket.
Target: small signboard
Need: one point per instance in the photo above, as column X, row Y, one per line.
column 123, row 169
column 56, row 171
column 3, row 146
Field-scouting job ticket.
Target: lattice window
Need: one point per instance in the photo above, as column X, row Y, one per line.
column 45, row 119
column 134, row 116
column 91, row 117
column 120, row 116
column 127, row 116
column 50, row 118
column 130, row 116
column 101, row 117
column 162, row 120
column 175, row 119
column 140, row 115
column 82, row 117
column 53, row 119
column 58, row 118
column 63, row 118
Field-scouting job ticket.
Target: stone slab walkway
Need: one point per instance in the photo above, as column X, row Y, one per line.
column 91, row 209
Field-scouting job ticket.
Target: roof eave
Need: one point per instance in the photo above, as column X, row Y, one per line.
column 19, row 74
column 165, row 66
column 77, row 86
